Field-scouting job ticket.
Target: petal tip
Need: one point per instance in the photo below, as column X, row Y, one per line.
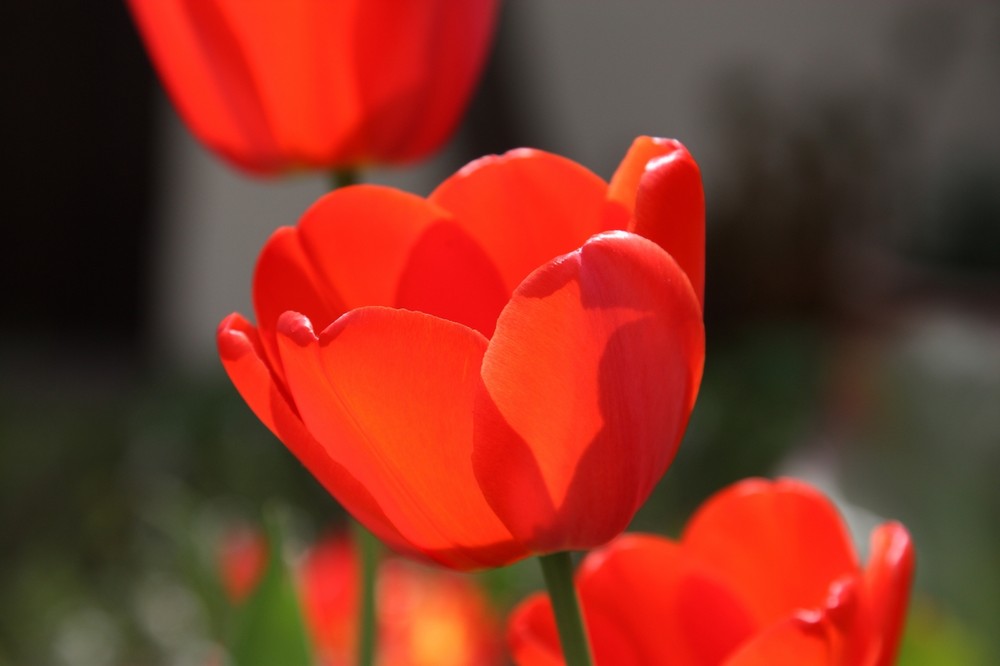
column 231, row 338
column 297, row 328
column 809, row 620
column 660, row 142
column 895, row 545
column 677, row 158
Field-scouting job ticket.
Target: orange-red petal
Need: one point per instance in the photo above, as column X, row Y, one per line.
column 302, row 82
column 794, row 641
column 524, row 208
column 389, row 394
column 243, row 357
column 359, row 239
column 886, row 582
column 417, row 70
column 206, row 74
column 658, row 187
column 449, row 275
column 645, row 602
column 624, row 184
column 645, row 592
column 284, row 279
column 779, row 544
column 588, row 383
column 462, row 35
column 532, row 635
column 422, row 261
column 670, row 210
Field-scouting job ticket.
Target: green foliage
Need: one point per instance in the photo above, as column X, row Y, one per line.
column 270, row 627
column 933, row 640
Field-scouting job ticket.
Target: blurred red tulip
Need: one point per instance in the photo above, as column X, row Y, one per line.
column 272, row 86
column 764, row 575
column 424, row 617
column 495, row 377
column 243, row 557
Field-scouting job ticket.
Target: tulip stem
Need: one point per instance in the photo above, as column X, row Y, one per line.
column 343, row 178
column 368, row 555
column 558, row 571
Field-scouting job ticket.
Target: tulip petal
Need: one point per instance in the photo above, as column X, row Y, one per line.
column 531, row 633
column 203, row 66
column 422, row 260
column 416, row 67
column 390, row 49
column 358, row 240
column 887, row 580
column 524, row 208
column 389, row 394
column 588, row 384
column 284, row 279
column 779, row 544
column 658, row 185
column 645, row 602
column 796, row 641
column 645, row 592
column 461, row 35
column 448, row 275
column 287, row 48
column 243, row 357
column 624, row 184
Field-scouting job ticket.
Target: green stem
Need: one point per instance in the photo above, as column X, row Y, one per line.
column 368, row 556
column 344, row 177
column 558, row 571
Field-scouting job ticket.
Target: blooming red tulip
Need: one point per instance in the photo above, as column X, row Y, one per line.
column 272, row 86
column 494, row 377
column 764, row 575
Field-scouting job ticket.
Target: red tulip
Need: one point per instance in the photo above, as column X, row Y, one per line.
column 424, row 618
column 243, row 556
column 272, row 86
column 764, row 575
column 494, row 377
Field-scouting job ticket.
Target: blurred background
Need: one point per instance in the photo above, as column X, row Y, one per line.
column 851, row 157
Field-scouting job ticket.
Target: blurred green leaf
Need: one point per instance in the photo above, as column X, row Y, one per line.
column 933, row 639
column 270, row 628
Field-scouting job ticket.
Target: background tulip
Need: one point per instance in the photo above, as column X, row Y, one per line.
column 425, row 618
column 272, row 86
column 764, row 575
column 493, row 377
